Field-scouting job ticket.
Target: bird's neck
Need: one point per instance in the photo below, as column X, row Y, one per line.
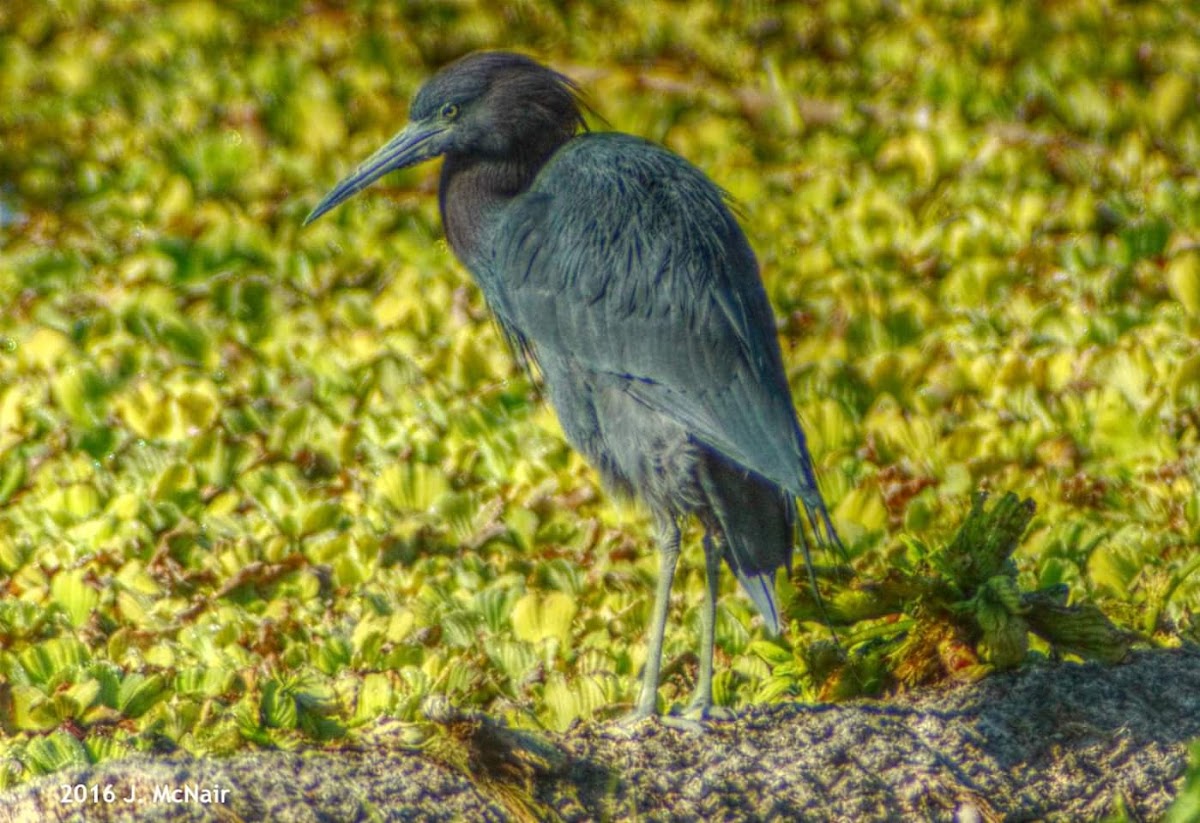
column 472, row 195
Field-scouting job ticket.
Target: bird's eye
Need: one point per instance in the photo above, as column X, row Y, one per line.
column 449, row 111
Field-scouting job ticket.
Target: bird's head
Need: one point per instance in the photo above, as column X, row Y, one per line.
column 490, row 105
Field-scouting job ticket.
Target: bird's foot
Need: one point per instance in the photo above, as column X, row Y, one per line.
column 681, row 723
column 629, row 725
column 698, row 718
column 705, row 710
column 635, row 724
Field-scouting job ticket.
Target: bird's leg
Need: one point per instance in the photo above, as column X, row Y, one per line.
column 668, row 557
column 702, row 697
column 701, row 706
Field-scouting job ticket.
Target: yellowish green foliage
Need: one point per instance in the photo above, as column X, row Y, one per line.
column 952, row 611
column 260, row 484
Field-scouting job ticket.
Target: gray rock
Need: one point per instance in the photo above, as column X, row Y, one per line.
column 1057, row 742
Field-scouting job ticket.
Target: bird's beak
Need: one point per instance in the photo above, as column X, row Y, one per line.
column 417, row 142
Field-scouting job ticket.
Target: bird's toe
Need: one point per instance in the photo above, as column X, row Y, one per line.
column 703, row 711
column 632, row 724
column 691, row 725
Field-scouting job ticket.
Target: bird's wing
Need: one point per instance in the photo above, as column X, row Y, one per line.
column 626, row 258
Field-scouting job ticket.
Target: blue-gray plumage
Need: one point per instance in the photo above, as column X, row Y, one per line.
column 617, row 268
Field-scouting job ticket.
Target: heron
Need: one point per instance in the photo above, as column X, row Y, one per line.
column 616, row 271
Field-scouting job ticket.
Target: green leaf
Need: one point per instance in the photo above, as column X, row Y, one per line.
column 139, row 692
column 71, row 590
column 176, row 479
column 536, row 618
column 53, row 752
column 54, row 659
column 375, row 696
column 1183, row 279
column 1146, row 239
column 279, row 706
column 12, row 477
column 773, row 653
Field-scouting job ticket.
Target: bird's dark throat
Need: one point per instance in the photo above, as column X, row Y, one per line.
column 472, row 193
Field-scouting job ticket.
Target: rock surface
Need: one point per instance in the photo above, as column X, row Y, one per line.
column 1059, row 741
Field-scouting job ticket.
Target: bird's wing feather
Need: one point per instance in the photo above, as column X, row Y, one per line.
column 626, row 257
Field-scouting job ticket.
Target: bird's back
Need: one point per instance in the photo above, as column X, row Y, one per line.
column 626, row 258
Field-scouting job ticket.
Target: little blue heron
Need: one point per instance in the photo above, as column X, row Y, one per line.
column 616, row 268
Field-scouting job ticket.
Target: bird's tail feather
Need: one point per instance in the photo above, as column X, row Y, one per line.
column 760, row 524
column 756, row 524
column 823, row 533
column 761, row 589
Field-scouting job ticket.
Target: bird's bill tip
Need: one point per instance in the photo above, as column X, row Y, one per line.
column 316, row 212
column 362, row 177
column 415, row 143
